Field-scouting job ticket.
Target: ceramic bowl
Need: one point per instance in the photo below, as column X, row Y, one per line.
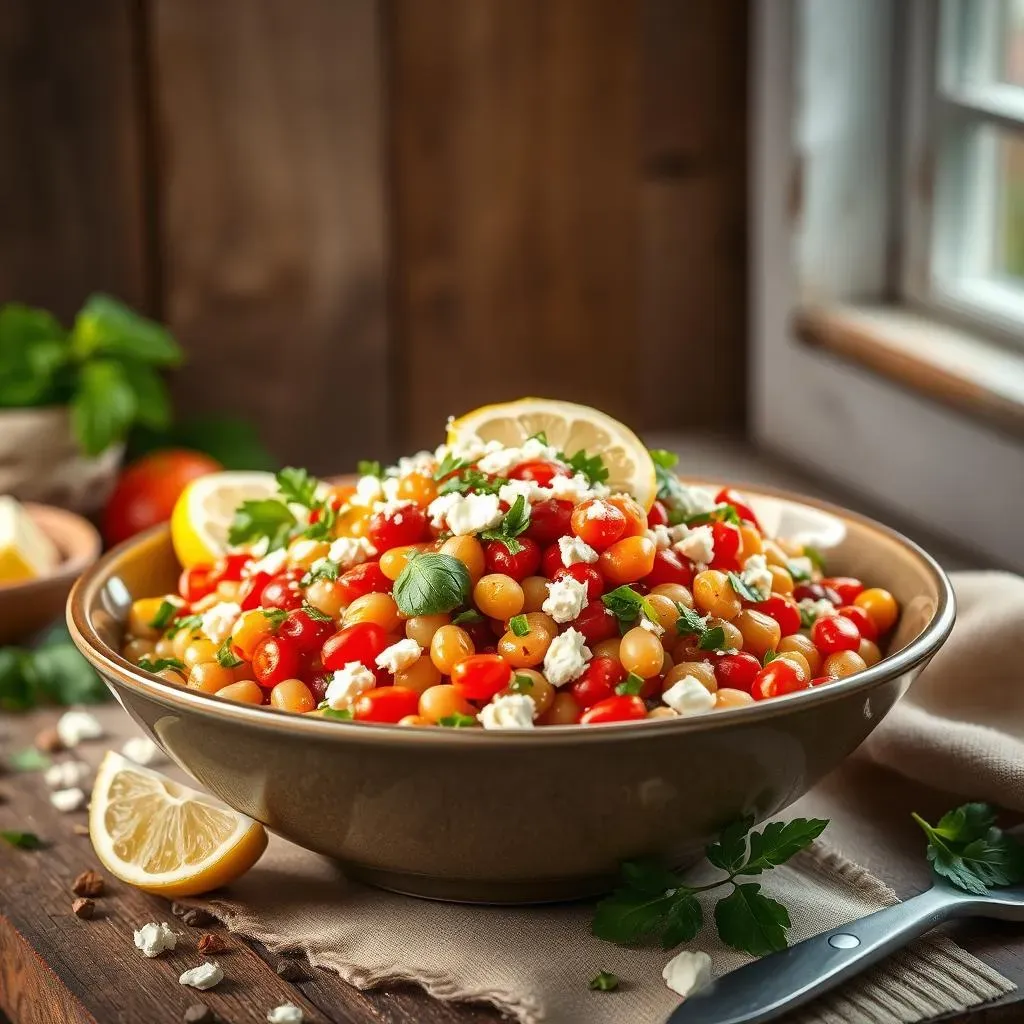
column 522, row 816
column 29, row 606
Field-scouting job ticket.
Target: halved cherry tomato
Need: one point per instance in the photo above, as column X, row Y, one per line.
column 550, row 520
column 598, row 682
column 363, row 579
column 396, row 528
column 551, row 561
column 669, row 568
column 861, row 619
column 481, row 676
column 195, row 583
column 274, row 660
column 614, row 709
column 540, row 471
column 727, row 545
column 599, row 523
column 737, row 671
column 525, row 562
column 636, row 517
column 283, row 590
column 583, row 573
column 307, row 632
column 832, row 633
column 252, row 590
column 783, row 609
column 847, row 587
column 738, row 502
column 385, row 704
column 231, row 567
column 658, row 515
column 596, row 623
column 362, row 642
column 776, row 679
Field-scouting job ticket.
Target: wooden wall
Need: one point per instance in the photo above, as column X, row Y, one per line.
column 360, row 216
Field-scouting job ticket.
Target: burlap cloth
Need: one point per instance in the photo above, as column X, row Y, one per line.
column 960, row 728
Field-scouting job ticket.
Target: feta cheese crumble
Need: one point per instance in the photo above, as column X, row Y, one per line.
column 566, row 599
column 689, row 696
column 575, row 488
column 652, row 627
column 687, row 972
column 698, row 545
column 75, row 726
column 272, row 563
column 399, row 656
column 660, row 537
column 566, row 658
column 350, row 551
column 66, row 774
column 203, row 977
column 142, row 750
column 369, row 490
column 286, row 1013
column 347, row 684
column 527, row 489
column 154, row 938
column 803, row 565
column 498, row 463
column 473, row 513
column 693, row 501
column 218, row 621
column 815, row 610
column 423, row 463
column 68, row 800
column 757, row 575
column 574, row 550
column 512, row 711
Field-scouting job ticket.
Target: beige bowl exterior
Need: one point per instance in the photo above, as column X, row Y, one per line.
column 521, row 816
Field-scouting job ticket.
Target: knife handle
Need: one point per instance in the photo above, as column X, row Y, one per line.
column 768, row 987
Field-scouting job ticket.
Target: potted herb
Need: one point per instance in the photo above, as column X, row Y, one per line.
column 68, row 398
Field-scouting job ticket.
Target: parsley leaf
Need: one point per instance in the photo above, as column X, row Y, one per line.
column 630, row 686
column 751, row 922
column 472, row 480
column 449, row 464
column 816, row 557
column 315, row 614
column 712, row 640
column 188, row 622
column 628, row 605
column 592, row 467
column 262, row 518
column 275, row 615
column 367, row 468
column 468, row 616
column 155, row 665
column 23, row 840
column 720, row 514
column 745, row 590
column 340, row 714
column 730, row 851
column 297, row 486
column 690, row 623
column 769, row 657
column 457, row 721
column 521, row 683
column 519, row 625
column 541, row 436
column 226, row 657
column 431, row 584
column 604, row 981
column 780, row 840
column 29, row 760
column 324, row 569
column 515, row 522
column 663, row 459
column 164, row 614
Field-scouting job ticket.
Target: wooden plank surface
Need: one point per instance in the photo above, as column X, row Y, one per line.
column 72, row 194
column 268, row 137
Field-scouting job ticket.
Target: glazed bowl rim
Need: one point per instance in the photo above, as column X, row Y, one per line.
column 109, row 662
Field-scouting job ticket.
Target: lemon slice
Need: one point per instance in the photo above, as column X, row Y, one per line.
column 163, row 837
column 569, row 427
column 203, row 512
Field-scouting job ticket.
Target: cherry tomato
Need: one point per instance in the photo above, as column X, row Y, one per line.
column 783, row 609
column 821, row 680
column 393, row 529
column 847, row 587
column 283, row 590
column 658, row 515
column 386, row 704
column 481, row 676
column 815, row 592
column 738, row 502
column 776, row 679
column 614, row 709
column 583, row 573
column 318, row 681
column 307, row 632
column 274, row 660
column 832, row 633
column 363, row 579
column 550, row 520
column 599, row 523
column 335, row 499
column 523, row 563
column 195, row 583
column 636, row 517
column 596, row 623
column 860, row 618
column 551, row 561
column 598, row 682
column 147, row 490
column 541, row 472
column 232, row 567
column 362, row 642
column 727, row 545
column 737, row 671
column 669, row 568
column 252, row 590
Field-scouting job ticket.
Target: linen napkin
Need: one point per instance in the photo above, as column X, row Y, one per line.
column 961, row 727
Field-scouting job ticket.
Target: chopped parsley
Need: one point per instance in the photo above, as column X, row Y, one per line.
column 189, row 622
column 226, row 657
column 745, row 590
column 324, row 569
column 515, row 522
column 22, row 840
column 468, row 479
column 449, row 465
column 365, row 467
column 690, row 623
column 592, row 467
column 314, row 613
column 521, row 683
column 629, row 606
column 159, row 664
column 275, row 615
column 164, row 614
column 630, row 686
column 457, row 721
column 519, row 625
column 604, row 981
column 340, row 714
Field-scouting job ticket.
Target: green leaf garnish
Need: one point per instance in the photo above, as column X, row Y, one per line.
column 315, row 614
column 431, row 584
column 29, row 760
column 365, row 467
column 470, row 615
column 745, row 590
column 724, row 513
column 297, row 486
column 275, row 615
column 712, row 640
column 751, row 922
column 799, row 574
column 457, row 721
column 340, row 714
column 515, row 521
column 629, row 606
column 22, row 840
column 261, row 518
column 541, row 436
column 226, row 657
column 449, row 464
column 630, row 686
column 690, row 623
column 816, row 557
column 155, row 665
column 468, row 479
column 519, row 625
column 521, row 683
column 189, row 622
column 325, row 569
column 164, row 614
column 604, row 981
column 592, row 467
column 769, row 657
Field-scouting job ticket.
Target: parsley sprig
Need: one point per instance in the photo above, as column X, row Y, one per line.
column 655, row 903
column 468, row 479
column 432, row 583
column 745, row 590
column 515, row 522
column 591, row 466
column 629, row 606
column 690, row 623
column 272, row 519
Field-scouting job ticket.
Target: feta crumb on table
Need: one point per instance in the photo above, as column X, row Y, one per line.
column 76, row 725
column 142, row 750
column 154, row 938
column 66, row 774
column 203, row 977
column 286, row 1013
column 687, row 972
column 68, row 800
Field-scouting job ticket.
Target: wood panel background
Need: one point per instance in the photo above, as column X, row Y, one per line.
column 360, row 216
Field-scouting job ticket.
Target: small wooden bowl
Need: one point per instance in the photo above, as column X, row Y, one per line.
column 28, row 607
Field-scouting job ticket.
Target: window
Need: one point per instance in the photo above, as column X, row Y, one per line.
column 964, row 249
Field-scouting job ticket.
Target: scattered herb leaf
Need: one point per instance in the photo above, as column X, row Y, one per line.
column 324, row 569
column 155, row 665
column 712, row 640
column 468, row 479
column 29, row 760
column 519, row 625
column 189, row 622
column 315, row 614
column 799, row 574
column 449, row 464
column 630, row 686
column 226, row 657
column 604, row 981
column 521, row 683
column 431, row 584
column 769, row 657
column 745, row 590
column 22, row 840
column 164, row 614
column 470, row 615
column 297, row 486
column 816, row 557
column 592, row 467
column 340, row 714
column 366, row 467
column 261, row 518
column 515, row 522
column 275, row 615
column 457, row 721
column 629, row 606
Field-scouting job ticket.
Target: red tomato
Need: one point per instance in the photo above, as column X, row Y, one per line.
column 737, row 671
column 832, row 633
column 599, row 523
column 596, row 623
column 861, row 620
column 195, row 583
column 406, row 525
column 614, row 709
column 815, row 592
column 583, row 573
column 551, row 561
column 283, row 590
column 821, row 680
column 362, row 642
column 274, row 660
column 598, row 682
column 847, row 587
column 363, row 579
column 727, row 545
column 146, row 491
column 232, row 567
column 738, row 502
column 523, row 563
column 385, row 704
column 540, row 471
column 658, row 515
column 550, row 520
column 784, row 611
column 481, row 676
column 776, row 679
column 307, row 633
column 252, row 590
column 669, row 568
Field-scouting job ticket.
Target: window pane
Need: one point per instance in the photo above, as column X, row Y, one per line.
column 1011, row 42
column 1010, row 235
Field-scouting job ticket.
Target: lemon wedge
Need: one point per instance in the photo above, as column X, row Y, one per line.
column 166, row 838
column 569, row 427
column 203, row 512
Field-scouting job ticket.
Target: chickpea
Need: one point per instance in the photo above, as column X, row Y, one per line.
column 750, row 541
column 627, row 560
column 375, row 607
column 419, row 676
column 535, row 593
column 729, row 698
column 422, row 628
column 782, row 582
column 449, row 645
column 636, row 517
column 394, row 560
column 687, row 648
column 165, row 648
column 641, row 652
column 469, row 551
column 563, row 711
column 543, row 622
column 804, row 645
column 210, row 677
column 662, row 712
column 416, row 721
column 869, row 651
column 675, row 592
column 609, row 648
column 773, row 554
column 713, row 595
column 135, row 650
column 171, row 675
column 880, row 605
column 199, row 651
column 251, row 627
column 799, row 662
column 180, row 641
column 700, row 670
column 245, row 692
column 498, row 596
column 292, row 695
column 843, row 664
column 733, row 636
column 761, row 633
column 303, row 552
column 540, row 691
column 668, row 613
column 441, row 701
column 141, row 616
column 526, row 651
column 326, row 596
